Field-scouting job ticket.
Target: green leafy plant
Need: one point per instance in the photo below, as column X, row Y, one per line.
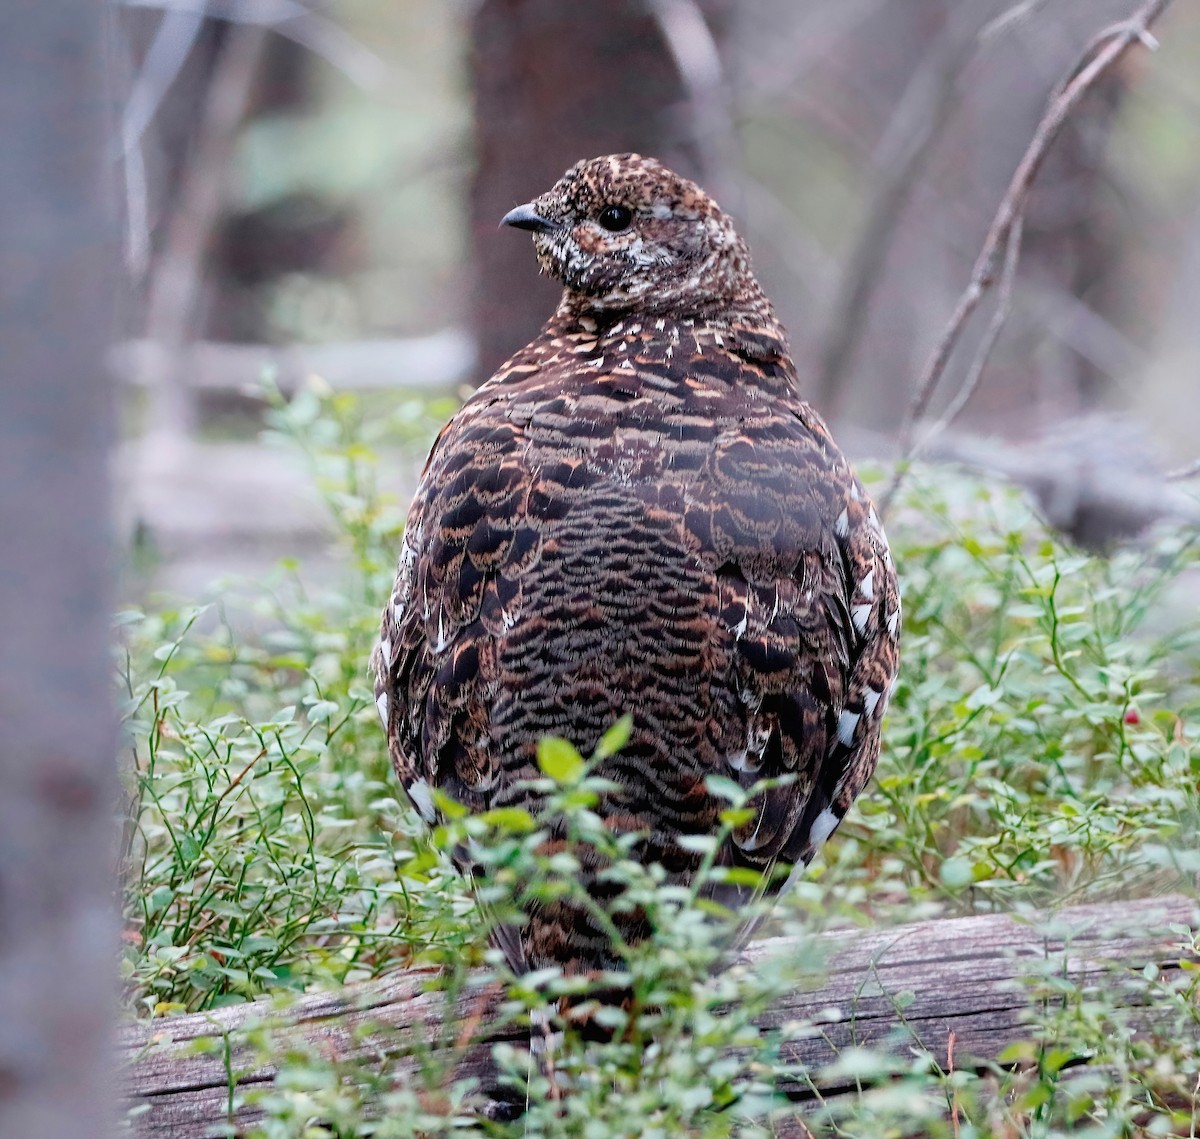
column 1042, row 749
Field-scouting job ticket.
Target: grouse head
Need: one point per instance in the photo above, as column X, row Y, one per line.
column 624, row 232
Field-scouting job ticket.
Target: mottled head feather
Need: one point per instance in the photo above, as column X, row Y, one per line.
column 679, row 253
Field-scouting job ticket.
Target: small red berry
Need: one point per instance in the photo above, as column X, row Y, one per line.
column 1132, row 716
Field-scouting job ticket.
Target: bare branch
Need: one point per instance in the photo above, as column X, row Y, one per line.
column 797, row 252
column 176, row 285
column 172, row 44
column 1191, row 471
column 293, row 21
column 921, row 115
column 173, row 41
column 694, row 51
column 786, row 53
column 1087, row 333
column 1012, row 255
column 690, row 43
column 1017, row 14
column 1104, row 50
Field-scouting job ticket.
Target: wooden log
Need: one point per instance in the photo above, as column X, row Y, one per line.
column 902, row 988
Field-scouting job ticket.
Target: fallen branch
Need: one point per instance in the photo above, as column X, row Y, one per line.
column 1095, row 478
column 912, row 987
column 441, row 360
column 1099, row 56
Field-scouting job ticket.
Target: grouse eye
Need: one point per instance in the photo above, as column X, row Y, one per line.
column 615, row 218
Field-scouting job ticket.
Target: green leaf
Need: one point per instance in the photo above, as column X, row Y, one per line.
column 511, row 819
column 559, row 760
column 160, row 898
column 860, row 1064
column 738, row 876
column 1055, row 1058
column 615, row 738
column 737, row 816
column 1021, row 1052
column 725, row 788
column 1035, row 1097
column 321, row 711
column 449, row 808
column 957, row 873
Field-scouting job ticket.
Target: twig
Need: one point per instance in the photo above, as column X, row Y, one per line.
column 173, row 41
column 920, row 118
column 796, row 251
column 690, row 43
column 175, row 289
column 292, row 20
column 950, row 1039
column 789, row 51
column 486, row 997
column 697, row 60
column 1095, row 478
column 234, row 782
column 1089, row 334
column 1018, row 13
column 1188, row 472
column 1104, row 50
column 1012, row 254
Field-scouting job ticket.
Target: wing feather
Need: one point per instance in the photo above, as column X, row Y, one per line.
column 660, row 541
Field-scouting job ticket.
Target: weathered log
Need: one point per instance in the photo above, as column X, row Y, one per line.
column 902, row 988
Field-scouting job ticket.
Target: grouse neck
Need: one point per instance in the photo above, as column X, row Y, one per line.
column 750, row 331
column 753, row 319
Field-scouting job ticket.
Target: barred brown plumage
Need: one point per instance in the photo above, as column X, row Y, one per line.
column 638, row 513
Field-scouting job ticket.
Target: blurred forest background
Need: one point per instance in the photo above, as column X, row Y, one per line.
column 316, row 189
column 310, row 194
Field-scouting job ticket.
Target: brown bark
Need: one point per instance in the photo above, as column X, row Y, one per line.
column 962, row 975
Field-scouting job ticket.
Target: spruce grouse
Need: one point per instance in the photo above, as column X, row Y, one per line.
column 638, row 514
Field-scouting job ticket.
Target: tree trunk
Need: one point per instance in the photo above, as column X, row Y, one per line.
column 962, row 978
column 57, row 740
column 555, row 83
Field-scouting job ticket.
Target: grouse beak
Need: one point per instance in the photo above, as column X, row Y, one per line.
column 526, row 217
